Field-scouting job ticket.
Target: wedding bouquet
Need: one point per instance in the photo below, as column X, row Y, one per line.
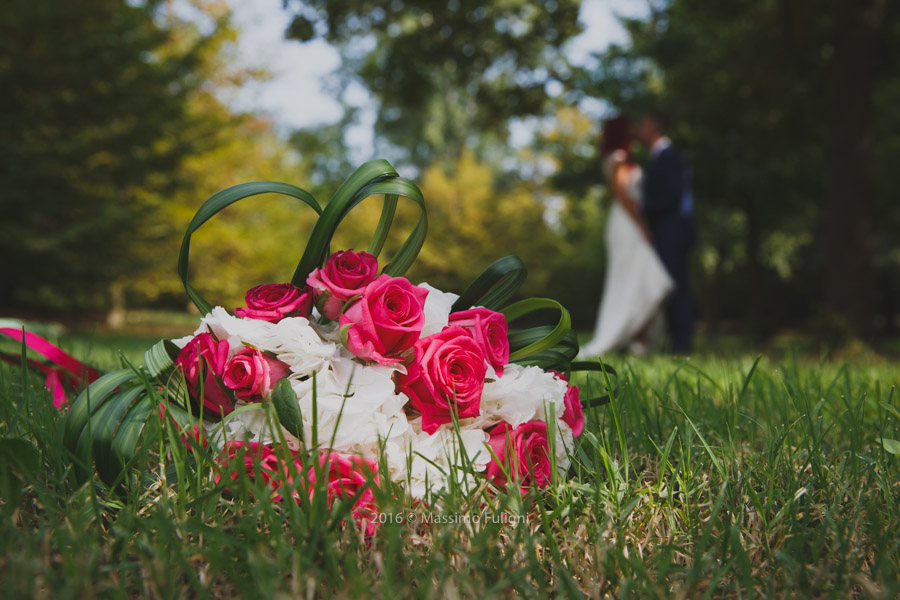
column 350, row 374
column 381, row 365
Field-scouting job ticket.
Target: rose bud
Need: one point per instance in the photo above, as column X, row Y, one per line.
column 204, row 359
column 252, row 374
column 274, row 301
column 343, row 276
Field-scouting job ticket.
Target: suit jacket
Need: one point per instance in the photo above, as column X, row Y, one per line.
column 665, row 187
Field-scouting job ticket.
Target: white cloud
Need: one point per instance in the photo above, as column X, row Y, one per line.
column 294, row 96
column 601, row 28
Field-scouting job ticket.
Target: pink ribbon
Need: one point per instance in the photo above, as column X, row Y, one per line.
column 65, row 372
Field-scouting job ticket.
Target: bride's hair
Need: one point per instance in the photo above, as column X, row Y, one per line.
column 615, row 136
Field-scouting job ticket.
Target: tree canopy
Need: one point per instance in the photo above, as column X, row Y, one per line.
column 113, row 132
column 446, row 75
column 112, row 135
column 92, row 117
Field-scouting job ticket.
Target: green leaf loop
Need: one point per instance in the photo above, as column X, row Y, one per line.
column 371, row 178
column 545, row 339
column 160, row 359
column 216, row 203
column 105, row 423
column 92, row 397
column 384, row 224
column 495, row 286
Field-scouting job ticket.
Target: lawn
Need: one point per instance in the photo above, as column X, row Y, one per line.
column 712, row 477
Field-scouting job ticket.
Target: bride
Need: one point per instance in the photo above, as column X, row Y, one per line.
column 636, row 281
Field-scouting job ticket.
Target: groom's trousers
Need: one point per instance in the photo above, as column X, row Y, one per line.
column 673, row 242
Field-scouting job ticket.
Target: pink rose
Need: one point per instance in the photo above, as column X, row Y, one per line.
column 524, row 452
column 274, row 301
column 447, row 376
column 344, row 477
column 573, row 416
column 252, row 374
column 489, row 328
column 203, row 360
column 195, row 437
column 344, row 275
column 258, row 461
column 386, row 321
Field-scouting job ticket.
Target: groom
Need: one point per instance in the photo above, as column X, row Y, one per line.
column 668, row 210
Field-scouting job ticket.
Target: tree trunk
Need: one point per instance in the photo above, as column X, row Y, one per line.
column 755, row 292
column 849, row 273
column 115, row 318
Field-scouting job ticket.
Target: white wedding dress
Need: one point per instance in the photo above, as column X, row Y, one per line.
column 636, row 281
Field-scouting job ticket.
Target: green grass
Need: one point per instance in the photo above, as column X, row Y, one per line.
column 701, row 480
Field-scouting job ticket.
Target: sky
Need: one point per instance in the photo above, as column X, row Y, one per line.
column 297, row 93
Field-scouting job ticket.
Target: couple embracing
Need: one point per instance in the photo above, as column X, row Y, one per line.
column 649, row 234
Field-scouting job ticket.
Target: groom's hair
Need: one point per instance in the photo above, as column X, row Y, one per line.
column 659, row 119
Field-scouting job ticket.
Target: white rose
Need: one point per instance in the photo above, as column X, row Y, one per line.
column 436, row 310
column 523, row 394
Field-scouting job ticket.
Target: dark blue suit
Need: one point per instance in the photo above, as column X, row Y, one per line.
column 668, row 212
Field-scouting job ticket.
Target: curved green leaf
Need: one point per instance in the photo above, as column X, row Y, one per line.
column 547, row 360
column 160, row 363
column 104, row 425
column 546, row 341
column 371, row 178
column 81, row 455
column 126, row 437
column 567, row 348
column 495, row 286
column 160, row 359
column 92, row 397
column 219, row 201
column 384, row 224
column 409, row 250
column 120, row 405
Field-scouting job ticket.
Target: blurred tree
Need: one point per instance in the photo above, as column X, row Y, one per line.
column 93, row 111
column 324, row 150
column 564, row 162
column 473, row 222
column 768, row 99
column 113, row 135
column 258, row 240
column 447, row 75
column 850, row 280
